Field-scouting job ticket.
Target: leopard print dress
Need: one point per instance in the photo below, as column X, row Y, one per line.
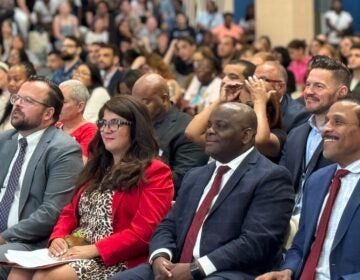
column 95, row 211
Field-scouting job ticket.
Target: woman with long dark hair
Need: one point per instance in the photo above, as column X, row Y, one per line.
column 123, row 193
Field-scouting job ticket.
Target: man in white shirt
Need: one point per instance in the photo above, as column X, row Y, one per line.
column 235, row 232
column 338, row 22
column 326, row 247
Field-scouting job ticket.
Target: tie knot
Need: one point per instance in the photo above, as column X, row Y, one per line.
column 341, row 173
column 22, row 143
column 222, row 170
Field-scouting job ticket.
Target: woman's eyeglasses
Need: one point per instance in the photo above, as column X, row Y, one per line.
column 113, row 124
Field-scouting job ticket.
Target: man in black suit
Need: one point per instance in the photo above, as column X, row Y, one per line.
column 108, row 61
column 240, row 232
column 328, row 81
column 293, row 112
column 175, row 149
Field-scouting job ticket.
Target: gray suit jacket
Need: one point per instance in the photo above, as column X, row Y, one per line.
column 48, row 184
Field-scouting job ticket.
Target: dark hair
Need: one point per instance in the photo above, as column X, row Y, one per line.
column 284, row 55
column 54, row 98
column 115, row 50
column 95, row 76
column 129, row 78
column 340, row 72
column 297, row 44
column 249, row 67
column 55, row 52
column 75, row 40
column 99, row 172
column 209, row 55
column 355, row 46
column 29, row 71
column 188, row 39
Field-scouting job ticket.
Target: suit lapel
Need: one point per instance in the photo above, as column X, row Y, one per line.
column 346, row 217
column 301, row 151
column 30, row 171
column 314, row 159
column 316, row 199
column 233, row 181
column 7, row 153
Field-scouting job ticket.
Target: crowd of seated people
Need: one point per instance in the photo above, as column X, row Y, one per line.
column 146, row 147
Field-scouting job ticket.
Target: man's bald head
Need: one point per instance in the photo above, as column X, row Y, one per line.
column 231, row 131
column 153, row 91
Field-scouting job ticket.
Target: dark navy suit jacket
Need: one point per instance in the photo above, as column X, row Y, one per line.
column 293, row 113
column 294, row 151
column 345, row 251
column 245, row 228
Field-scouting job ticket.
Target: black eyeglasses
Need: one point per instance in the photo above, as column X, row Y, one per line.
column 113, row 124
column 27, row 100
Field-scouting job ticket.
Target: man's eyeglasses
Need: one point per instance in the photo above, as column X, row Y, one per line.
column 270, row 80
column 27, row 100
column 113, row 124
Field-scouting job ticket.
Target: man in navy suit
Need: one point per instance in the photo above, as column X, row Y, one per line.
column 338, row 256
column 242, row 231
column 328, row 81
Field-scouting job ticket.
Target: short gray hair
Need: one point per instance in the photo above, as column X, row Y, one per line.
column 79, row 92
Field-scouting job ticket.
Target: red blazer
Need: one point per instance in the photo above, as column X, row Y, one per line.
column 135, row 217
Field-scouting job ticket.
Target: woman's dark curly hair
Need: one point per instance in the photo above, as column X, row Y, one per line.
column 101, row 172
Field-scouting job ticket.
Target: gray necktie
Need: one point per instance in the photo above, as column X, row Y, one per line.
column 8, row 197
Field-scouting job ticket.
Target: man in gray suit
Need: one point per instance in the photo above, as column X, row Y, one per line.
column 39, row 166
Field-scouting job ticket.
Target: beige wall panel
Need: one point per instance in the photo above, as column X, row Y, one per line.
column 284, row 20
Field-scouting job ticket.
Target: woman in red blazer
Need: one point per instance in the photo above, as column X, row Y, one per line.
column 124, row 192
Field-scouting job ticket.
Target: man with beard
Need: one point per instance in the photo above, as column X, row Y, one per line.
column 328, row 81
column 39, row 166
column 108, row 61
column 70, row 53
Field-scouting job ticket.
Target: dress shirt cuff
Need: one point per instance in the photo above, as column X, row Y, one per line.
column 161, row 250
column 207, row 266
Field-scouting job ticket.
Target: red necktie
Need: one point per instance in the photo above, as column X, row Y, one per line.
column 316, row 248
column 190, row 240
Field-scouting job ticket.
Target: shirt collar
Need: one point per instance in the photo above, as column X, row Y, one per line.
column 352, row 167
column 233, row 164
column 312, row 123
column 33, row 138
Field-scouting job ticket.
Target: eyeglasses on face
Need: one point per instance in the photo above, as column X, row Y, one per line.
column 113, row 124
column 26, row 100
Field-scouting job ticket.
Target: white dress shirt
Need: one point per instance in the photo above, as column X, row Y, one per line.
column 32, row 141
column 204, row 261
column 348, row 184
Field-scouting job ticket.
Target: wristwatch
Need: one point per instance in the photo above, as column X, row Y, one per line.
column 196, row 272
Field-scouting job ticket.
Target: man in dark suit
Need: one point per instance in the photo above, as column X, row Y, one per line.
column 328, row 80
column 39, row 166
column 325, row 246
column 175, row 149
column 231, row 216
column 108, row 61
column 293, row 112
column 354, row 65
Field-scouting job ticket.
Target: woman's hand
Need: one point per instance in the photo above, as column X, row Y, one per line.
column 81, row 252
column 258, row 90
column 58, row 247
